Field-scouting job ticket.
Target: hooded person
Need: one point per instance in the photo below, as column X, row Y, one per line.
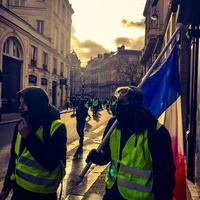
column 38, row 151
column 135, row 151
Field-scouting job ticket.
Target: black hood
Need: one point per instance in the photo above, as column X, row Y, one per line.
column 37, row 102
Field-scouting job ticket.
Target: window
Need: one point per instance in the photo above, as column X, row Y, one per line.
column 6, row 46
column 58, row 7
column 12, row 47
column 45, row 60
column 61, row 69
column 55, row 37
column 19, row 2
column 32, row 79
column 15, row 50
column 33, row 56
column 62, row 43
column 63, row 12
column 40, row 26
column 54, row 66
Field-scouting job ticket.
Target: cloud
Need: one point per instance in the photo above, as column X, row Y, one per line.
column 130, row 43
column 128, row 24
column 86, row 49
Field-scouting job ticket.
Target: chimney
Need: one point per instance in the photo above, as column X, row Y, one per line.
column 121, row 48
column 100, row 55
column 106, row 55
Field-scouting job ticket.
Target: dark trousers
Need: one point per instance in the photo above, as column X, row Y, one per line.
column 22, row 194
column 80, row 125
column 95, row 110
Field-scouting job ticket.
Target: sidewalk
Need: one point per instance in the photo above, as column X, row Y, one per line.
column 193, row 191
column 9, row 118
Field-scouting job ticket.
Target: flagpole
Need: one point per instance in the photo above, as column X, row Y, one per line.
column 105, row 139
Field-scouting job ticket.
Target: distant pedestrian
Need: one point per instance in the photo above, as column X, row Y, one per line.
column 67, row 103
column 38, row 151
column 86, row 104
column 74, row 104
column 95, row 104
column 107, row 104
column 81, row 114
column 113, row 104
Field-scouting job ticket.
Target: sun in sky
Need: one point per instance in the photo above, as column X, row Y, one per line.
column 100, row 26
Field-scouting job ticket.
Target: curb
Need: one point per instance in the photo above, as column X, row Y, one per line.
column 9, row 122
column 16, row 120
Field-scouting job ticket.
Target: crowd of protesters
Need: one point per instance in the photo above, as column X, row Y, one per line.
column 38, row 153
column 94, row 104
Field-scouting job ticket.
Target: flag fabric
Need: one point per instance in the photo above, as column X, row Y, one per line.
column 162, row 96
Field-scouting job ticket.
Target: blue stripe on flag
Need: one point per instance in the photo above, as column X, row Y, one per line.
column 162, row 88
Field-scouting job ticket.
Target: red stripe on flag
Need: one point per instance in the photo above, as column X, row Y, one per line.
column 180, row 187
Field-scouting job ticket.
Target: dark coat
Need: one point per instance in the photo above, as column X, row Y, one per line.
column 162, row 158
column 49, row 153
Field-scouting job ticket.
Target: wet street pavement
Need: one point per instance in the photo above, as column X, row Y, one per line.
column 74, row 188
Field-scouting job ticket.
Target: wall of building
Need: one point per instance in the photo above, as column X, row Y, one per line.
column 197, row 150
column 27, row 35
column 107, row 72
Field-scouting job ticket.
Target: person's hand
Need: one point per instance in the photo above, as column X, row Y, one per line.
column 24, row 128
column 92, row 156
column 3, row 195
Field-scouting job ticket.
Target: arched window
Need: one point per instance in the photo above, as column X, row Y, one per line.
column 12, row 48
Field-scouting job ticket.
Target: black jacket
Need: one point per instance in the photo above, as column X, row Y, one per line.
column 81, row 112
column 162, row 158
column 49, row 153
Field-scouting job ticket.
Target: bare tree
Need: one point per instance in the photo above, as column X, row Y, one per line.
column 129, row 72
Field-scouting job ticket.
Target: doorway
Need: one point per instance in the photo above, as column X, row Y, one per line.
column 10, row 84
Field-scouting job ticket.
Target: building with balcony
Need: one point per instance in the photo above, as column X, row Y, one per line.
column 35, row 45
column 76, row 76
column 106, row 72
column 167, row 13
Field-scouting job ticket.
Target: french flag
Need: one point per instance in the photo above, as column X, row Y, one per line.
column 162, row 96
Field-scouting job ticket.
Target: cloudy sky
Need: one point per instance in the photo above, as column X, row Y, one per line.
column 99, row 26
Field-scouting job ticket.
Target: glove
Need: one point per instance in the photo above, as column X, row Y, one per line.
column 92, row 156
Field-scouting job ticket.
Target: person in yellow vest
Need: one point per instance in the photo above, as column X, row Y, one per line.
column 113, row 105
column 139, row 152
column 38, row 152
column 95, row 104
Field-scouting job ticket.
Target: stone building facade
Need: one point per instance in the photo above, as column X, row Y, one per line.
column 167, row 12
column 107, row 71
column 76, row 76
column 34, row 49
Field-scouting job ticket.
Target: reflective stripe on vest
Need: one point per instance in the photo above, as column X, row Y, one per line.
column 37, row 180
column 136, row 172
column 134, row 186
column 30, row 175
column 134, row 177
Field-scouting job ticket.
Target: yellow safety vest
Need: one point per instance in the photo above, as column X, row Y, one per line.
column 29, row 174
column 95, row 102
column 134, row 177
